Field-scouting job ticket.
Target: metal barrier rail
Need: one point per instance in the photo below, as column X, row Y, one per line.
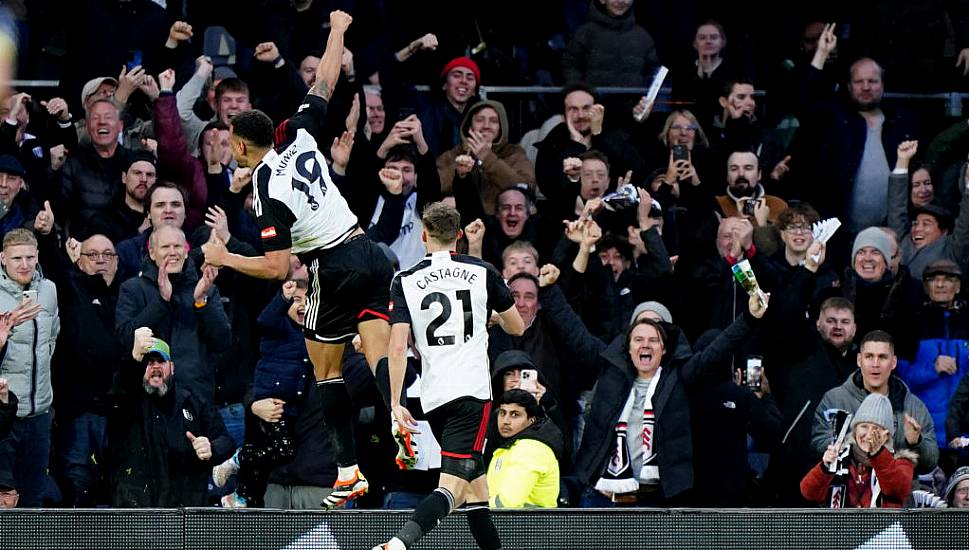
column 953, row 100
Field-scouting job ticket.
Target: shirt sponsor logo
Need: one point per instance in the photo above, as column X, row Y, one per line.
column 268, row 233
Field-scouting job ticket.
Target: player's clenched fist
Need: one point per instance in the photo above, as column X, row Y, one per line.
column 340, row 20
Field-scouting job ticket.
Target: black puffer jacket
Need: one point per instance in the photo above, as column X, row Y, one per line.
column 673, row 437
column 191, row 332
column 610, row 51
column 89, row 188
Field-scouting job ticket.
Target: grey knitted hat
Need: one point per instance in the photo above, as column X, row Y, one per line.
column 875, row 238
column 875, row 409
column 655, row 307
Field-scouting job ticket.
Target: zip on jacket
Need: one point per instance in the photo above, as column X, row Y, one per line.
column 33, row 370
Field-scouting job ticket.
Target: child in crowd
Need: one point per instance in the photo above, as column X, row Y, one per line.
column 281, row 376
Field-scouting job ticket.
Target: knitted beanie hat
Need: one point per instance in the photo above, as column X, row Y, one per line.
column 875, row 238
column 875, row 409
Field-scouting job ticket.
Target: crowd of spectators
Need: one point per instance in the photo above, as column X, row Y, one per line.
column 617, row 223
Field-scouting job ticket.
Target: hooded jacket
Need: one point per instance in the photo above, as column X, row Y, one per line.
column 30, row 346
column 524, row 471
column 515, row 359
column 610, row 51
column 848, row 397
column 502, row 167
column 192, row 332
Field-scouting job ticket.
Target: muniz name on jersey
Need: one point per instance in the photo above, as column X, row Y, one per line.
column 294, row 189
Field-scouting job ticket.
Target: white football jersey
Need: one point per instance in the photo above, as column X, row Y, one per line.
column 296, row 203
column 447, row 299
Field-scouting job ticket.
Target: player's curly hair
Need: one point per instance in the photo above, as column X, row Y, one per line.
column 253, row 126
column 442, row 222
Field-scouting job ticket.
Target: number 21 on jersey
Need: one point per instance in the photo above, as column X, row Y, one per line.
column 436, row 338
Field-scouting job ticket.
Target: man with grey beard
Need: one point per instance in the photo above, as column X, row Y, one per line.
column 165, row 437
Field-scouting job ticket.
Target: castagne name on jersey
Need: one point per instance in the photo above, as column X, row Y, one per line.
column 446, row 273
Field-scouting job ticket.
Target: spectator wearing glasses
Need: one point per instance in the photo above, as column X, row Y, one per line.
column 671, row 175
column 88, row 352
column 795, row 225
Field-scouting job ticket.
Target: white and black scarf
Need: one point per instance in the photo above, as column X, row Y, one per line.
column 618, row 474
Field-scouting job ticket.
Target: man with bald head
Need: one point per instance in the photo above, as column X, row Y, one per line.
column 179, row 305
column 856, row 140
column 709, row 292
column 84, row 363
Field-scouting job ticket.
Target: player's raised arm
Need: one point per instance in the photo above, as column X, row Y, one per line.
column 328, row 71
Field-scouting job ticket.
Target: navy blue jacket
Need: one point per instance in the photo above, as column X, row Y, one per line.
column 282, row 369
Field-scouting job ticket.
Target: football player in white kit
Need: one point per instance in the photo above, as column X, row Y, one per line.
column 446, row 300
column 300, row 211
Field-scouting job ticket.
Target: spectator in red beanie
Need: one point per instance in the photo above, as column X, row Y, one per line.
column 441, row 117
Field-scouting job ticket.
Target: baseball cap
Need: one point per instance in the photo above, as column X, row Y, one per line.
column 161, row 348
column 10, row 165
column 92, row 85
